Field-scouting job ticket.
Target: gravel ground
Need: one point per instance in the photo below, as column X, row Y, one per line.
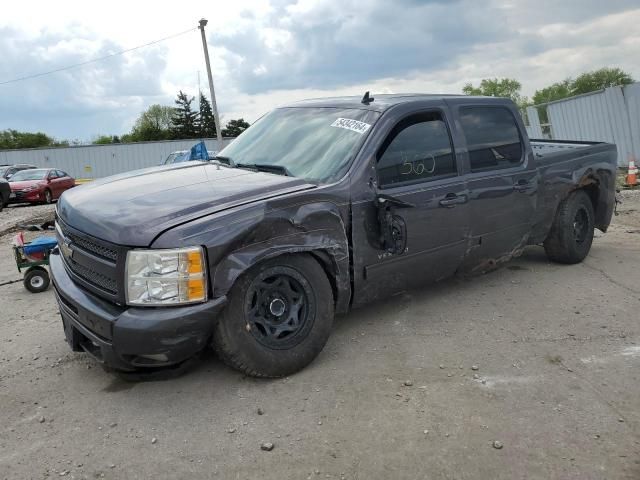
column 395, row 394
column 16, row 214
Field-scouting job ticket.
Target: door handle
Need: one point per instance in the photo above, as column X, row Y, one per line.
column 451, row 200
column 521, row 186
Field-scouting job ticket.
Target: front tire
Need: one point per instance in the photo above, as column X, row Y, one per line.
column 571, row 234
column 48, row 197
column 278, row 318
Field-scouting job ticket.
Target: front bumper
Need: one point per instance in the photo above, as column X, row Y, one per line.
column 32, row 196
column 129, row 338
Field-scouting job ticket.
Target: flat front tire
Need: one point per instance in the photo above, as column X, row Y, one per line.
column 278, row 318
column 571, row 235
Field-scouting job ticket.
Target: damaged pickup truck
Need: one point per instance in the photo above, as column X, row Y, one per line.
column 318, row 207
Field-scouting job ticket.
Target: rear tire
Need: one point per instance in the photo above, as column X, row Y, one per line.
column 278, row 318
column 571, row 234
column 36, row 280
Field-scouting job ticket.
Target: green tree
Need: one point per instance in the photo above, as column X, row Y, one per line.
column 599, row 79
column 584, row 83
column 15, row 139
column 185, row 121
column 103, row 140
column 498, row 87
column 235, row 127
column 557, row 91
column 207, row 120
column 155, row 123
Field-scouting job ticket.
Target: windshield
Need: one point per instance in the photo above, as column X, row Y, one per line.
column 29, row 175
column 177, row 157
column 312, row 143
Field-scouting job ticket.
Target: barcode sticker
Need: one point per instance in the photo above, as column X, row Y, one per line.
column 353, row 125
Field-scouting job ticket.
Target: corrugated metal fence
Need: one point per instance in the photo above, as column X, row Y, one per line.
column 95, row 161
column 611, row 115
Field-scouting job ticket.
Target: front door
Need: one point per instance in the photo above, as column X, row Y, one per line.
column 417, row 174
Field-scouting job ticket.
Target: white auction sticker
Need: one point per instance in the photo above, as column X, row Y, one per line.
column 353, row 125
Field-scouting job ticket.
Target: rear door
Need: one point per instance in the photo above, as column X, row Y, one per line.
column 502, row 181
column 66, row 182
column 416, row 164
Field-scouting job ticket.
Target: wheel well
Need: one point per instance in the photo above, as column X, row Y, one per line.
column 593, row 191
column 324, row 259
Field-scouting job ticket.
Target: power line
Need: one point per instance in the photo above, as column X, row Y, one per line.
column 99, row 59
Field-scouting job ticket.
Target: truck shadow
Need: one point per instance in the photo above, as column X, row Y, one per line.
column 531, row 260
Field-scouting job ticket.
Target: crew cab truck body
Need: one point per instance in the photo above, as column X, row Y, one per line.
column 320, row 206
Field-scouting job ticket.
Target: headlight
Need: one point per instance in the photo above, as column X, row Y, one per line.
column 166, row 277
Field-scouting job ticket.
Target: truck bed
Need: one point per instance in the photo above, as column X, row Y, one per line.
column 543, row 148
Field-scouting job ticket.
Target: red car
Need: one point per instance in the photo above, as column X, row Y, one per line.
column 39, row 185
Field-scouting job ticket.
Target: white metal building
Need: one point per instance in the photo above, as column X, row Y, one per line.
column 95, row 161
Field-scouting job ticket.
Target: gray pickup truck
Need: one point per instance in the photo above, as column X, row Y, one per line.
column 318, row 207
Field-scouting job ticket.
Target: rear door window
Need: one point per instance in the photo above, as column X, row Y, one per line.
column 418, row 149
column 493, row 138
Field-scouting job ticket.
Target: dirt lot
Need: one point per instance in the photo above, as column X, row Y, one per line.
column 557, row 351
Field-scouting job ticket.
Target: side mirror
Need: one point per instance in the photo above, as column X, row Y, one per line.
column 393, row 229
column 9, row 175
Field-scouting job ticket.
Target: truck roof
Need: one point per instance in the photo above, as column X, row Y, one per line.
column 383, row 102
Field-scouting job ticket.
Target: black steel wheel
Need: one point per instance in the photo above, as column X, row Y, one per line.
column 581, row 225
column 571, row 235
column 278, row 318
column 277, row 306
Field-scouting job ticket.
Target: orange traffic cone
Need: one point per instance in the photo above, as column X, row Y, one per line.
column 632, row 175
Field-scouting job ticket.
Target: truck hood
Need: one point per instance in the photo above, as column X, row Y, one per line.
column 132, row 209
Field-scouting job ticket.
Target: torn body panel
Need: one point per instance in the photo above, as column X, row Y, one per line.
column 561, row 173
column 248, row 236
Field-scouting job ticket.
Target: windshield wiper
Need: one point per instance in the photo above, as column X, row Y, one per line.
column 226, row 160
column 266, row 167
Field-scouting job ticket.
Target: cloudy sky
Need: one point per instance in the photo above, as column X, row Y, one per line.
column 269, row 52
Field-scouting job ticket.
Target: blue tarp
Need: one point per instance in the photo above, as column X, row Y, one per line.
column 39, row 245
column 199, row 152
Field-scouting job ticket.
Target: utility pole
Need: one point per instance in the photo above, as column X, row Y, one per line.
column 214, row 105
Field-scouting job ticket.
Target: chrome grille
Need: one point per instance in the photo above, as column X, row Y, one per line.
column 93, row 263
column 88, row 245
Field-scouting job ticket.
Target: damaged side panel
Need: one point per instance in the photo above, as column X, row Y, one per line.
column 566, row 172
column 312, row 224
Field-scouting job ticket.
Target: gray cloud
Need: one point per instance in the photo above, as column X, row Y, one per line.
column 96, row 98
column 338, row 43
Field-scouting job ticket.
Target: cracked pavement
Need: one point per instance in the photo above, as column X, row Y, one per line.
column 558, row 355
